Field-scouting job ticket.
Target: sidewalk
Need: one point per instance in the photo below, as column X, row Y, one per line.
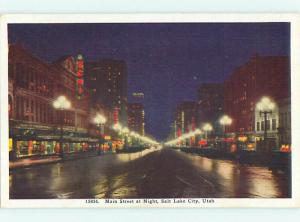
column 34, row 161
column 21, row 163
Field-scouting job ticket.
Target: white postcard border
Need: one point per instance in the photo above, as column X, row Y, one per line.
column 154, row 18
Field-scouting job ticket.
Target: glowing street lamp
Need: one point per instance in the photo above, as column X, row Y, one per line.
column 207, row 128
column 61, row 103
column 125, row 130
column 225, row 121
column 100, row 120
column 197, row 132
column 117, row 127
column 265, row 106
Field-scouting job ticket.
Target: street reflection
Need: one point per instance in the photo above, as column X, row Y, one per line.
column 242, row 180
column 148, row 174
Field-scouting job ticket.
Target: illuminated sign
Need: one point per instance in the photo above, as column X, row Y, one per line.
column 80, row 74
column 242, row 138
column 228, row 140
column 10, row 144
column 116, row 115
column 107, row 137
column 285, row 148
column 202, row 142
column 251, row 146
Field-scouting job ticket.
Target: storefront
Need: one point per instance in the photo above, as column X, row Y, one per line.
column 33, row 147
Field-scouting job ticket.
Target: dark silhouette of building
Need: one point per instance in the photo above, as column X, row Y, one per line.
column 107, row 82
column 211, row 104
column 260, row 76
column 136, row 118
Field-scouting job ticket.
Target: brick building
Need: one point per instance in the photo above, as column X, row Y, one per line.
column 211, row 104
column 260, row 76
column 34, row 123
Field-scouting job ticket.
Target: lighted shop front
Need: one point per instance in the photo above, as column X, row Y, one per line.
column 33, row 147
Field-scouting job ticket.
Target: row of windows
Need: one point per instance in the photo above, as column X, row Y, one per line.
column 260, row 126
column 31, row 79
column 30, row 110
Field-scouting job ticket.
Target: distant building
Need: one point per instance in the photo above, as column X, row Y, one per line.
column 211, row 104
column 260, row 76
column 186, row 117
column 136, row 118
column 107, row 82
column 138, row 95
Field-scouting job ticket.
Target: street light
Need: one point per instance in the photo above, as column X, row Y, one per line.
column 126, row 132
column 207, row 127
column 100, row 120
column 117, row 127
column 224, row 121
column 61, row 103
column 265, row 106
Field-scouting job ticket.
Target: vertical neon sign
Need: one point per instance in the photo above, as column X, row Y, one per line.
column 80, row 73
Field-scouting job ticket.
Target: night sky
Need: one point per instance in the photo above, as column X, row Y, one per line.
column 165, row 61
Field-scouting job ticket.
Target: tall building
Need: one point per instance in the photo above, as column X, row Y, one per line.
column 211, row 104
column 186, row 117
column 260, row 76
column 107, row 81
column 71, row 85
column 136, row 118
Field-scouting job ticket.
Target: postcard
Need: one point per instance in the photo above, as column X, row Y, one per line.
column 150, row 110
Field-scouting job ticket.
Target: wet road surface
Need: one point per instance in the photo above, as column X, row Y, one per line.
column 149, row 174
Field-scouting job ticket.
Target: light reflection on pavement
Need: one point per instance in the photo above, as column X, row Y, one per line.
column 149, row 174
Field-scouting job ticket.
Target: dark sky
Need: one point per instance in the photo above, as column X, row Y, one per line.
column 165, row 61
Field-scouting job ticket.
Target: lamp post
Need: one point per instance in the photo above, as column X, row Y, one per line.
column 61, row 103
column 126, row 132
column 265, row 106
column 197, row 132
column 207, row 128
column 224, row 121
column 100, row 120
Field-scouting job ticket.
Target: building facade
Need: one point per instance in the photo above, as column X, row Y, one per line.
column 34, row 123
column 260, row 76
column 186, row 117
column 107, row 82
column 211, row 104
column 136, row 118
column 284, row 130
